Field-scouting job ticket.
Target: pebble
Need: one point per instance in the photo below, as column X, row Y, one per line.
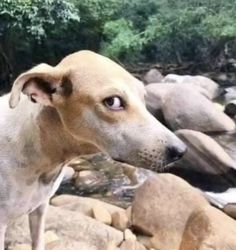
column 101, row 214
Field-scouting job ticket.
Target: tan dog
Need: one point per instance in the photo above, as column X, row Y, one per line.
column 85, row 100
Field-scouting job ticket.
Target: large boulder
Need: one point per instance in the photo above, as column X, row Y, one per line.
column 208, row 228
column 212, row 88
column 156, row 94
column 75, row 231
column 206, row 165
column 176, row 216
column 154, row 98
column 161, row 209
column 185, row 107
column 204, row 154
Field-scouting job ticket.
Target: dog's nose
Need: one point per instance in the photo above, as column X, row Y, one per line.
column 174, row 153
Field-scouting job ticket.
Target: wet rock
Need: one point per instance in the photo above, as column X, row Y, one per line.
column 132, row 173
column 161, row 208
column 204, row 154
column 230, row 108
column 104, row 178
column 79, row 164
column 69, row 174
column 153, row 75
column 74, row 230
column 88, row 179
column 212, row 88
column 102, row 215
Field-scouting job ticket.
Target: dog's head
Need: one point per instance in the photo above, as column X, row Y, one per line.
column 101, row 103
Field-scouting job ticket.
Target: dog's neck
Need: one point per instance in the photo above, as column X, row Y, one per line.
column 55, row 142
column 34, row 136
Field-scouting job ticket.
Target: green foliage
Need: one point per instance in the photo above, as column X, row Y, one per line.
column 35, row 17
column 32, row 31
column 123, row 38
column 172, row 30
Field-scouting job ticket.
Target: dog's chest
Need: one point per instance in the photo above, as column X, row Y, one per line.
column 20, row 195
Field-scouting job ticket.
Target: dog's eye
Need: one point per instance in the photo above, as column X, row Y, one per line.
column 114, row 103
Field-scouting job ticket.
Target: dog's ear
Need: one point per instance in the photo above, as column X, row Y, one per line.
column 40, row 84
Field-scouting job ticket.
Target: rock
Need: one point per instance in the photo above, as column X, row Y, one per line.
column 128, row 245
column 154, row 98
column 127, row 179
column 153, row 75
column 82, row 205
column 70, row 244
column 90, row 179
column 230, row 94
column 101, row 214
column 204, row 154
column 207, row 166
column 184, row 108
column 161, row 208
column 132, row 245
column 79, row 164
column 120, row 220
column 129, row 213
column 209, row 228
column 131, row 172
column 230, row 210
column 21, row 247
column 128, row 235
column 212, row 88
column 69, row 174
column 50, row 236
column 230, row 108
column 74, row 230
column 63, row 199
column 219, row 106
column 145, row 240
column 112, row 246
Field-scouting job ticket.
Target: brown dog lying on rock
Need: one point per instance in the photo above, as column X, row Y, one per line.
column 85, row 100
